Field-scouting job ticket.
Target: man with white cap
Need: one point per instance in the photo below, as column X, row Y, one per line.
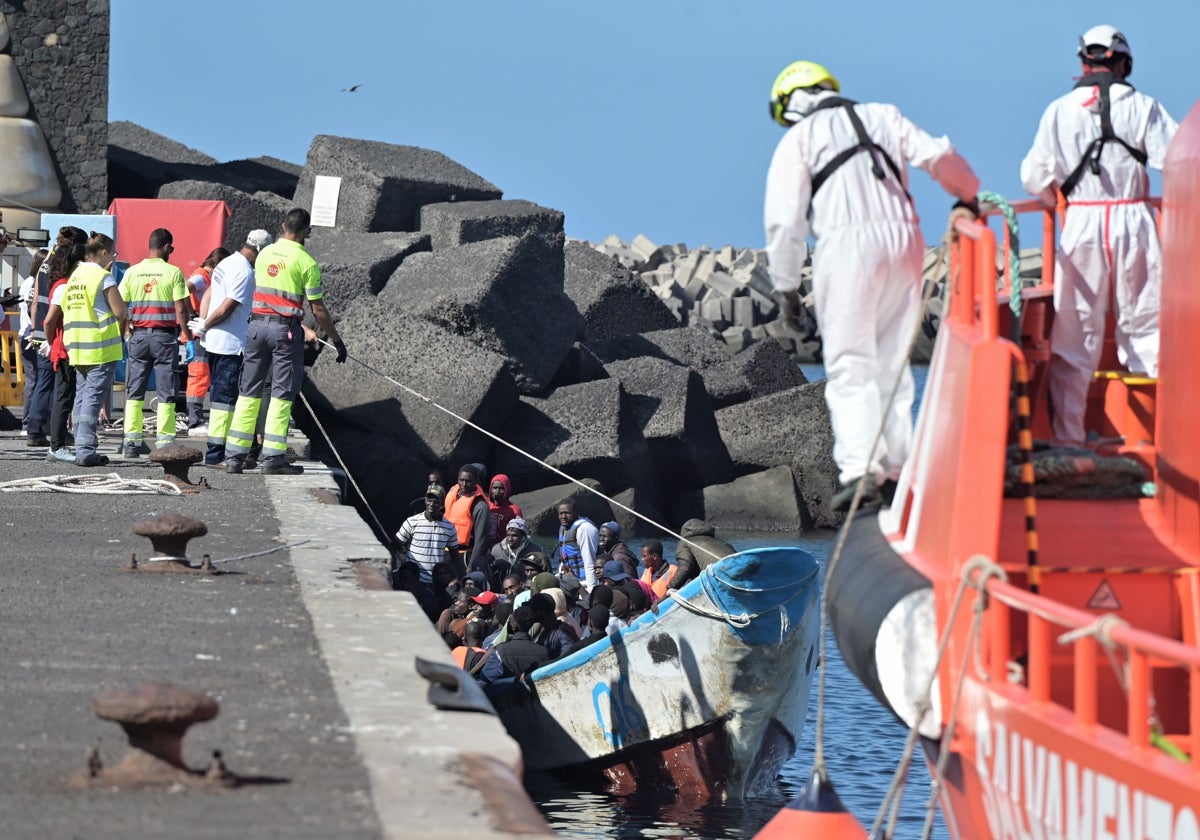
column 839, row 172
column 1093, row 145
column 222, row 327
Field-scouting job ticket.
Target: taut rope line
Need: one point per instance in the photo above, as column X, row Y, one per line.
column 511, row 446
column 346, row 469
column 819, row 751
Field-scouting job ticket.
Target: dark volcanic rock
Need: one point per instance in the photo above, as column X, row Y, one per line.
column 449, row 370
column 580, row 365
column 358, row 264
column 503, row 294
column 542, row 518
column 247, row 212
column 584, row 430
column 140, row 161
column 267, row 174
column 645, row 503
column 762, row 501
column 459, row 222
column 688, row 346
column 611, row 300
column 386, row 468
column 787, row 428
column 385, row 186
column 676, row 417
column 768, row 368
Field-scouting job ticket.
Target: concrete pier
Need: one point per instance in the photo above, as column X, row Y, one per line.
column 320, row 702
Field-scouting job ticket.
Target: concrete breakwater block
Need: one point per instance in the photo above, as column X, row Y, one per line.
column 268, row 174
column 141, row 161
column 788, row 428
column 388, row 470
column 458, row 374
column 762, row 501
column 384, row 186
column 542, row 518
column 484, row 291
column 580, row 365
column 354, row 265
column 584, row 430
column 675, row 415
column 728, row 291
column 246, row 212
column 459, row 222
column 767, row 368
column 690, row 347
column 610, row 299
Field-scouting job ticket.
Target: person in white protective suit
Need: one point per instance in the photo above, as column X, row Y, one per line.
column 1094, row 145
column 839, row 172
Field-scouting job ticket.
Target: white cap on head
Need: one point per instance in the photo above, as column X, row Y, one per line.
column 258, row 239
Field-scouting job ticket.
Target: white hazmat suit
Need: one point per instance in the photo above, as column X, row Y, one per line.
column 866, row 268
column 1109, row 244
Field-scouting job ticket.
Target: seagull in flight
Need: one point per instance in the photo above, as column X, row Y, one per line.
column 351, row 89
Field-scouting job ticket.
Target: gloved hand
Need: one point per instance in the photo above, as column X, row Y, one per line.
column 795, row 315
column 196, row 326
column 340, row 347
column 189, row 353
column 968, row 210
column 43, row 349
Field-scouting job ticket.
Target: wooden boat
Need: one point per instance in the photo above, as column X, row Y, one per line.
column 702, row 699
column 1066, row 702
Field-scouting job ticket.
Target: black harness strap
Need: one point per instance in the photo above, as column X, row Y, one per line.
column 865, row 144
column 1091, row 155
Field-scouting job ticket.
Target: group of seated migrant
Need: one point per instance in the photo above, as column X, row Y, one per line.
column 506, row 606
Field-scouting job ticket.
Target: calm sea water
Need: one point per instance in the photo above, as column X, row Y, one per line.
column 863, row 746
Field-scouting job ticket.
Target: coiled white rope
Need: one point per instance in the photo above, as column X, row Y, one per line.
column 110, row 484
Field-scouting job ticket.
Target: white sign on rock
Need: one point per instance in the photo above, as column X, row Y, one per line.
column 326, row 189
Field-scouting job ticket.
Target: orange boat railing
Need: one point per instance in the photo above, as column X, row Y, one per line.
column 1144, row 652
column 974, row 303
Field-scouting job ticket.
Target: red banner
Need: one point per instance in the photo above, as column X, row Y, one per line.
column 197, row 226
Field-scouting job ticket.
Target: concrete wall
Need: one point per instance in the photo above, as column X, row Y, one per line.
column 60, row 48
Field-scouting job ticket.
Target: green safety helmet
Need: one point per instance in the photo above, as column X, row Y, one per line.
column 797, row 75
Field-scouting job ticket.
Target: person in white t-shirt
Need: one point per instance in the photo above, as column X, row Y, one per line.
column 222, row 330
column 29, row 350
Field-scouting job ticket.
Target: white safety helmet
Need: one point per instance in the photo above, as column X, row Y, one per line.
column 1103, row 42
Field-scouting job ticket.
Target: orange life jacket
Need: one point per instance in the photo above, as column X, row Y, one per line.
column 458, row 512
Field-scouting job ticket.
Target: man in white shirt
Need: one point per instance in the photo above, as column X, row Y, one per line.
column 223, row 335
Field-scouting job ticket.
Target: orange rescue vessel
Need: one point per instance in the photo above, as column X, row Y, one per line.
column 1066, row 702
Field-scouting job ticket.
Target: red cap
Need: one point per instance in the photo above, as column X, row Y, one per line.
column 488, row 598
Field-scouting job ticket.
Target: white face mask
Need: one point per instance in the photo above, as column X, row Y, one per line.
column 803, row 102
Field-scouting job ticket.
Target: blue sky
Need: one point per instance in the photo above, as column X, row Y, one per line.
column 631, row 117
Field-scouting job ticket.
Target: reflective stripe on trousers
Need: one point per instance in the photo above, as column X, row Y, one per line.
column 148, row 351
column 224, row 372
column 278, row 349
column 92, row 383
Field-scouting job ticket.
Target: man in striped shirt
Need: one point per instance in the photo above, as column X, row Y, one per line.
column 427, row 538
